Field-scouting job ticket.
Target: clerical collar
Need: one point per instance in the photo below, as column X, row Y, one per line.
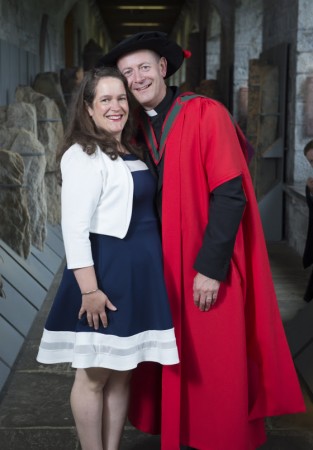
column 152, row 113
column 165, row 103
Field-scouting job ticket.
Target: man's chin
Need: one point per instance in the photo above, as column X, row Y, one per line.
column 143, row 98
column 146, row 105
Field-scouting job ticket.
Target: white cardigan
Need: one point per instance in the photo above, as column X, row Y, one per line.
column 97, row 196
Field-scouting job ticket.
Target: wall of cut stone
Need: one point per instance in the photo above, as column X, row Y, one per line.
column 213, row 44
column 247, row 46
column 32, row 106
column 32, row 38
column 244, row 30
column 30, row 133
column 303, row 82
column 20, row 24
column 219, row 45
column 302, row 105
column 291, row 21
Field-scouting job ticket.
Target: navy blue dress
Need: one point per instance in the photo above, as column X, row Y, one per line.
column 129, row 271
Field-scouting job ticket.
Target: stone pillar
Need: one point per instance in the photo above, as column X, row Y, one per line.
column 50, row 133
column 15, row 220
column 21, row 141
column 309, row 107
column 243, row 108
column 48, row 84
column 262, row 123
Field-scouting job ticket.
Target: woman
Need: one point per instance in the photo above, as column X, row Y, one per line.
column 111, row 311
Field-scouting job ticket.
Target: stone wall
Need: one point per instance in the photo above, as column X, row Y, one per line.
column 248, row 45
column 20, row 24
column 280, row 22
column 296, row 220
column 225, row 10
column 30, row 134
column 280, row 26
column 291, row 21
column 249, row 28
column 304, row 70
column 213, row 44
column 32, row 39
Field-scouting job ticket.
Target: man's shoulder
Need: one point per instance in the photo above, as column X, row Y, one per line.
column 194, row 100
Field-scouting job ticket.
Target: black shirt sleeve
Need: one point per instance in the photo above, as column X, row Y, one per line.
column 227, row 204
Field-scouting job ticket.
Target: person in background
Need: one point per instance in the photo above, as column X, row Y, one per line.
column 235, row 365
column 111, row 311
column 70, row 78
column 308, row 250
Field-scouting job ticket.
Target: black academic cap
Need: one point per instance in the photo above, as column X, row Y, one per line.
column 149, row 40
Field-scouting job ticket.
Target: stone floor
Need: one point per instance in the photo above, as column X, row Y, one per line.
column 34, row 406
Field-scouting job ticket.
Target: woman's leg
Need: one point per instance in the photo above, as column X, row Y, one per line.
column 87, row 405
column 115, row 405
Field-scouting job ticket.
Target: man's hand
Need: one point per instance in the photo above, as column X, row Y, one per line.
column 205, row 291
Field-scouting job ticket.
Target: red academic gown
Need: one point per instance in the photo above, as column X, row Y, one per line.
column 235, row 366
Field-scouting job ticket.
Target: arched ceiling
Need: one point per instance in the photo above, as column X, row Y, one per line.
column 123, row 18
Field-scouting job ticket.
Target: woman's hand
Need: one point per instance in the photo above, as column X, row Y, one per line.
column 205, row 291
column 94, row 306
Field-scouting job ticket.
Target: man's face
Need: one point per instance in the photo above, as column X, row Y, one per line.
column 145, row 72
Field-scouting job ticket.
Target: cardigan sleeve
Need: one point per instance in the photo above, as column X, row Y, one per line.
column 82, row 184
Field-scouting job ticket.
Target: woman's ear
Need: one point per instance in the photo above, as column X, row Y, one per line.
column 89, row 110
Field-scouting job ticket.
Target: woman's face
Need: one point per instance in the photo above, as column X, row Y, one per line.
column 110, row 109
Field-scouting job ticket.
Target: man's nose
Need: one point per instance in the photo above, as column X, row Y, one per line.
column 137, row 76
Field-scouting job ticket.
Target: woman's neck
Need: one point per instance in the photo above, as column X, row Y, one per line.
column 122, row 149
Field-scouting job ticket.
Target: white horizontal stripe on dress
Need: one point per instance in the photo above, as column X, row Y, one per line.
column 94, row 349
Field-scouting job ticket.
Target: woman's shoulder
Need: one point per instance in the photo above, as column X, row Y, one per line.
column 76, row 158
column 77, row 153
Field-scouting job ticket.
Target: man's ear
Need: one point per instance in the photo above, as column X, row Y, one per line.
column 163, row 66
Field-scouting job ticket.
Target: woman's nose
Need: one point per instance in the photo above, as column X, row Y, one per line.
column 115, row 104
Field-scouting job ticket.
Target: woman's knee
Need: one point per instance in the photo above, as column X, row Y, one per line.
column 94, row 378
column 119, row 379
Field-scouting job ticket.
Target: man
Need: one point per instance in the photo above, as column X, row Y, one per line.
column 232, row 346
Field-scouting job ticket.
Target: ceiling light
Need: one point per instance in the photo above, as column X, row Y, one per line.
column 156, row 7
column 140, row 24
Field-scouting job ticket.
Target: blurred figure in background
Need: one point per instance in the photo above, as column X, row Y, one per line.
column 308, row 250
